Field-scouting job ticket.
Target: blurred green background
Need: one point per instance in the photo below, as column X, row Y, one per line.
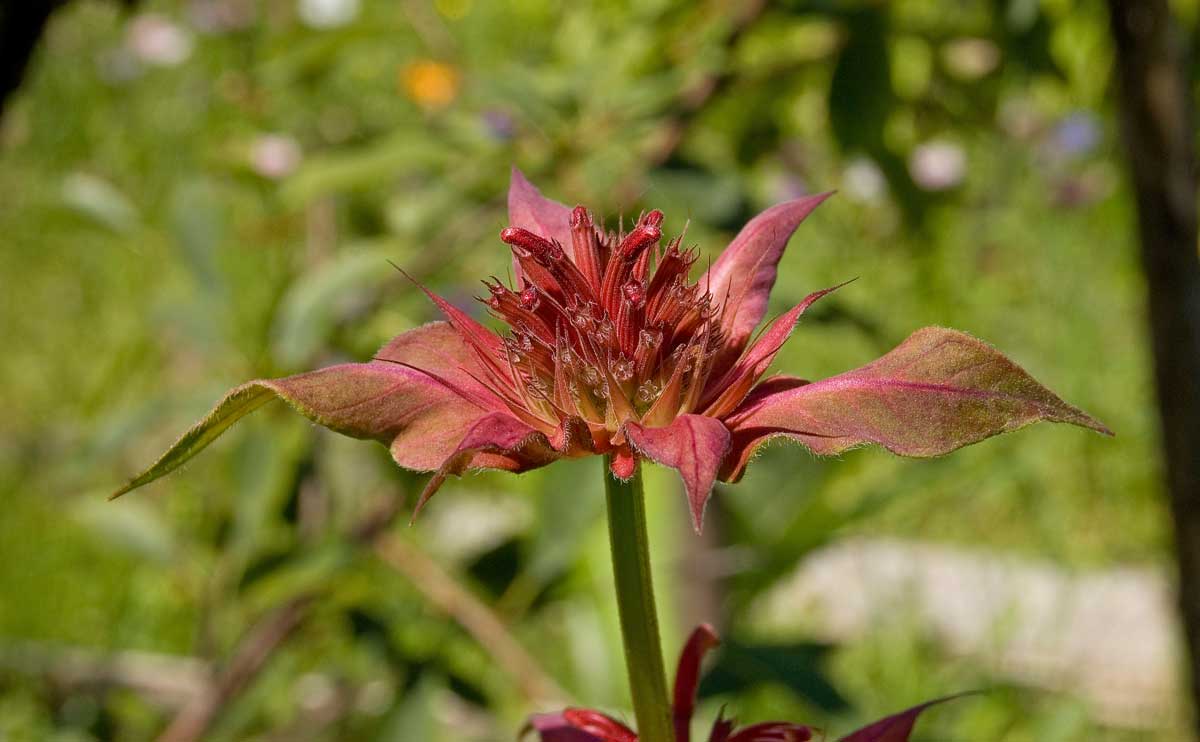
column 195, row 193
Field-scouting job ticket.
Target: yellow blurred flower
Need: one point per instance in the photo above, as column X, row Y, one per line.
column 429, row 84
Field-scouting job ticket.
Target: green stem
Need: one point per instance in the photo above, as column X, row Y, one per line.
column 635, row 603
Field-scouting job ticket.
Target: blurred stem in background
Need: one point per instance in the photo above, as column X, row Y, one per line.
column 635, row 602
column 441, row 589
column 1157, row 124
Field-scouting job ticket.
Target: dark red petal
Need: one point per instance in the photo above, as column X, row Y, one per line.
column 897, row 727
column 556, row 728
column 937, row 391
column 742, row 277
column 693, row 444
column 722, row 729
column 687, row 678
column 773, row 731
column 600, row 725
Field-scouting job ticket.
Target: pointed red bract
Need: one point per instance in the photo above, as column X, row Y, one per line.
column 420, row 414
column 741, row 279
column 694, row 445
column 771, row 731
column 727, row 392
column 897, row 727
column 487, row 347
column 937, row 391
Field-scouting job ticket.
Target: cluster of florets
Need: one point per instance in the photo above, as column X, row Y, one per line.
column 606, row 329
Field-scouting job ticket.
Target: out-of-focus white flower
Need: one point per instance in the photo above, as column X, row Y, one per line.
column 862, row 180
column 970, row 58
column 156, row 40
column 275, row 155
column 937, row 165
column 316, row 692
column 327, row 13
column 375, row 697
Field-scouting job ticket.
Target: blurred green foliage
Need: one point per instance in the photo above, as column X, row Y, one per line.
column 197, row 193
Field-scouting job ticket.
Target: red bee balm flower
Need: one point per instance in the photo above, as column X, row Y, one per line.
column 585, row 725
column 611, row 349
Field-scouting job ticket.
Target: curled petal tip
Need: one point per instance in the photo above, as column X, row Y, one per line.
column 624, row 463
column 520, row 237
column 639, row 239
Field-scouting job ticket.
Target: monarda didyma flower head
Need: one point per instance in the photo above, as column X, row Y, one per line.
column 612, row 349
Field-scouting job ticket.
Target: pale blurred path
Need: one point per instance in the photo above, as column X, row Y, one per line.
column 1108, row 637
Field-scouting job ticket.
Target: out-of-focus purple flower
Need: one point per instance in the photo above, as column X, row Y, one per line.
column 1076, row 135
column 156, row 40
column 862, row 180
column 788, row 187
column 327, row 13
column 222, row 16
column 938, row 165
column 275, row 155
column 500, row 125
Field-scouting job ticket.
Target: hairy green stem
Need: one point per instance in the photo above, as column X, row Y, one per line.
column 635, row 603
